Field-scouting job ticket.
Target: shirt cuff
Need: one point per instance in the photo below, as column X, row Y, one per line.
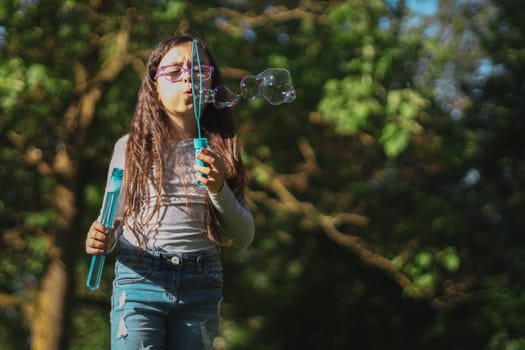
column 224, row 197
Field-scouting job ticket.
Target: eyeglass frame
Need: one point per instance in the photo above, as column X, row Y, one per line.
column 161, row 72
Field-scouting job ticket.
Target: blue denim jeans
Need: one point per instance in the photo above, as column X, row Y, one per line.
column 165, row 301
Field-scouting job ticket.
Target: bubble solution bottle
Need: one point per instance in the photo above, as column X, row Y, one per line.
column 108, row 217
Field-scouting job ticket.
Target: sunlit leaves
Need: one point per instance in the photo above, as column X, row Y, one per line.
column 355, row 18
column 40, row 76
column 11, row 83
column 449, row 259
column 426, row 266
column 41, row 219
column 261, row 175
column 173, row 11
column 395, row 139
column 402, row 108
column 36, row 74
column 38, row 249
column 349, row 104
column 366, row 95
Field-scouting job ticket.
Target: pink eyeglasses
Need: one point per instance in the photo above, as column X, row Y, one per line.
column 174, row 72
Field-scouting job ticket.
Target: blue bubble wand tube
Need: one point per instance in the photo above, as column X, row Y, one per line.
column 108, row 217
column 199, row 142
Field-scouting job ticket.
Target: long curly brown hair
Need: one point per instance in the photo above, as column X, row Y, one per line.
column 149, row 142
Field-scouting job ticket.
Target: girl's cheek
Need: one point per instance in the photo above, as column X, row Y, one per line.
column 168, row 94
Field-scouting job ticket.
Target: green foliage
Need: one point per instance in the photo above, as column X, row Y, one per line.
column 90, row 329
column 449, row 259
column 41, row 219
column 402, row 108
column 393, row 122
column 13, row 331
column 364, row 94
column 349, row 105
column 11, row 83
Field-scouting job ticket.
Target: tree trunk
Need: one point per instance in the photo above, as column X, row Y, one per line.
column 46, row 327
column 50, row 323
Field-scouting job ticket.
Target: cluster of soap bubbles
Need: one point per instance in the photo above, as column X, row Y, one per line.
column 274, row 84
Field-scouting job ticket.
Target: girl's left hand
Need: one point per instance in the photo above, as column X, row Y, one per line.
column 214, row 170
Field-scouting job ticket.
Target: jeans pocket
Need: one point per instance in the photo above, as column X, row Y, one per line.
column 131, row 273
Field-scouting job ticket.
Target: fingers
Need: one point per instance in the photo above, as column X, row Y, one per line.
column 98, row 239
column 213, row 180
column 97, row 227
column 213, row 171
column 210, row 158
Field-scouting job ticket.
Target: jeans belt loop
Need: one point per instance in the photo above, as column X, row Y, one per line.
column 157, row 260
column 199, row 264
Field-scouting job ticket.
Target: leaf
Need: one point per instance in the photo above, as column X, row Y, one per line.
column 425, row 281
column 11, row 83
column 395, row 139
column 36, row 74
column 424, row 259
column 449, row 258
column 41, row 219
column 261, row 175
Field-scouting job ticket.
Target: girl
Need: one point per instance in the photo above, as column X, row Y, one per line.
column 168, row 274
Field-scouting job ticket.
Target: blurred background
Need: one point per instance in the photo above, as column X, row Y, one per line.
column 389, row 197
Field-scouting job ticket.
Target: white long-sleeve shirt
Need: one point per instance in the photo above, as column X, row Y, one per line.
column 182, row 225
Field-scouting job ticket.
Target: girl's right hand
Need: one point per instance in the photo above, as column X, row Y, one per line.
column 99, row 239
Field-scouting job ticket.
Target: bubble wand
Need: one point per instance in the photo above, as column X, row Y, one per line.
column 274, row 84
column 199, row 142
column 108, row 217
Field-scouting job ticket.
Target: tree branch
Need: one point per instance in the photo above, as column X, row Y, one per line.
column 452, row 293
column 237, row 21
column 328, row 225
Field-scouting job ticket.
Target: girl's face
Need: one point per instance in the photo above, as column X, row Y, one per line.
column 174, row 84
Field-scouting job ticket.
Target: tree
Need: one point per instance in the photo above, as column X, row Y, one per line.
column 395, row 97
column 378, row 194
column 494, row 179
column 60, row 59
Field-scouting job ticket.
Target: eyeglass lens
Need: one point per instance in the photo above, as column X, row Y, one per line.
column 175, row 73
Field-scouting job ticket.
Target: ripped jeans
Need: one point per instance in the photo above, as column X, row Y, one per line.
column 165, row 301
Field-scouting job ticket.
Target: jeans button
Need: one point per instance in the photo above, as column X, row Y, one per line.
column 175, row 260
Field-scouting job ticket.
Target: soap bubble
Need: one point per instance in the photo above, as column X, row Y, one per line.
column 224, row 97
column 274, row 84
